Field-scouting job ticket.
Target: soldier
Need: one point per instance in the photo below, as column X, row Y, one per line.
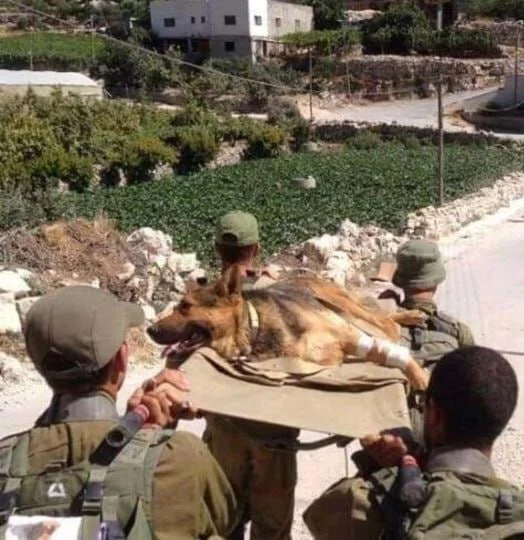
column 264, row 479
column 419, row 272
column 162, row 484
column 471, row 397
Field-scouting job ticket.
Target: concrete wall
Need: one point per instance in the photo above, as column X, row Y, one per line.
column 181, row 11
column 506, row 96
column 288, row 14
column 244, row 46
column 213, row 12
column 258, row 8
column 88, row 92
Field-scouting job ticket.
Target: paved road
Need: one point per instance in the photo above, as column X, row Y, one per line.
column 485, row 288
column 419, row 113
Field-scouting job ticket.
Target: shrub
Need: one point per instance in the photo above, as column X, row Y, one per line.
column 142, row 156
column 197, row 146
column 395, row 31
column 365, row 140
column 57, row 165
column 282, row 111
column 301, row 134
column 265, row 142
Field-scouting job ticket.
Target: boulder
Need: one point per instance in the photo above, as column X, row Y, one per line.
column 24, row 305
column 11, row 370
column 9, row 318
column 152, row 245
column 320, row 248
column 11, row 281
column 128, row 272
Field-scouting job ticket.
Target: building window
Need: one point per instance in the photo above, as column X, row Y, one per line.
column 278, row 22
column 202, row 20
column 258, row 20
column 230, row 20
column 229, row 46
column 297, row 24
column 193, row 20
column 169, row 23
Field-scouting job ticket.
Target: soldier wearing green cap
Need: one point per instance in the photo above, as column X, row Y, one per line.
column 264, row 479
column 419, row 272
column 162, row 483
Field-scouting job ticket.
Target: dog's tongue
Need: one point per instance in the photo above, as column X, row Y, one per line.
column 171, row 349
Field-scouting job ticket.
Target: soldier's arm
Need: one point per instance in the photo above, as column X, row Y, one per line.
column 465, row 336
column 191, row 495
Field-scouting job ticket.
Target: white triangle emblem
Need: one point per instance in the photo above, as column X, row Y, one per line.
column 56, row 491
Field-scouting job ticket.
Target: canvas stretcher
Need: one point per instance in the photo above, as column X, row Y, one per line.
column 351, row 400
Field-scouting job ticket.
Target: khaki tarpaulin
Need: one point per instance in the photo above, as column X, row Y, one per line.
column 351, row 400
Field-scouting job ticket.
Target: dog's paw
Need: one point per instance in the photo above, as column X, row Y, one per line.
column 412, row 317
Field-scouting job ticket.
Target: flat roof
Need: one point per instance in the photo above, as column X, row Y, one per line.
column 44, row 78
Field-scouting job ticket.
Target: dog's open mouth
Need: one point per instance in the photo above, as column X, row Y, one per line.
column 189, row 341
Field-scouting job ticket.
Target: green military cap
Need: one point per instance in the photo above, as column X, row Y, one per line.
column 84, row 325
column 419, row 265
column 237, row 229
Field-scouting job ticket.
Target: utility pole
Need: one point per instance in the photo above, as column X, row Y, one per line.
column 310, row 86
column 440, row 114
column 516, row 74
column 31, row 50
column 92, row 39
column 346, row 53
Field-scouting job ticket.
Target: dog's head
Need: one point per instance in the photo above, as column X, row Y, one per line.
column 207, row 315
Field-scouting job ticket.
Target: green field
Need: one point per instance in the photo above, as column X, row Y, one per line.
column 49, row 50
column 378, row 185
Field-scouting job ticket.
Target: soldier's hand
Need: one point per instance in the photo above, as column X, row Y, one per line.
column 386, row 449
column 166, row 397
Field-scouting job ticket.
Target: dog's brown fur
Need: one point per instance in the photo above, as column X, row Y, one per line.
column 304, row 317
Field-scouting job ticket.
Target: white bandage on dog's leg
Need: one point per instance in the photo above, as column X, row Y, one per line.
column 364, row 345
column 396, row 355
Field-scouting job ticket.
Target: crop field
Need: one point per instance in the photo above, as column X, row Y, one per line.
column 378, row 186
column 51, row 50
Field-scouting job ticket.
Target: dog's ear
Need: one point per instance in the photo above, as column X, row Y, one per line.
column 231, row 283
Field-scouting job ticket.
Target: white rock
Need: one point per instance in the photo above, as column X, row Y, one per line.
column 23, row 273
column 24, row 305
column 11, row 370
column 339, row 267
column 12, row 282
column 9, row 318
column 195, row 275
column 149, row 312
column 150, row 242
column 320, row 248
column 348, row 229
column 128, row 271
column 182, row 262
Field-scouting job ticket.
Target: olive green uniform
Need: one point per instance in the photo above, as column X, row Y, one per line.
column 71, row 335
column 191, row 496
column 263, row 479
column 464, row 335
column 348, row 510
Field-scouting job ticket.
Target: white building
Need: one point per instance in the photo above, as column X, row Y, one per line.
column 227, row 27
column 43, row 83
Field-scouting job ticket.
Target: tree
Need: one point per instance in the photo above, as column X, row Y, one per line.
column 328, row 13
column 121, row 65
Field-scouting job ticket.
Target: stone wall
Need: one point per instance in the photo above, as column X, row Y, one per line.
column 343, row 256
column 399, row 77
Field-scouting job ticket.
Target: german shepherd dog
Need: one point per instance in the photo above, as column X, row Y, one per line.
column 306, row 317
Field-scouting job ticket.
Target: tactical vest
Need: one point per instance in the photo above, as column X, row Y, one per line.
column 111, row 492
column 429, row 342
column 458, row 506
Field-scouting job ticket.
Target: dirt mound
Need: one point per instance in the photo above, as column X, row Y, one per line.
column 79, row 250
